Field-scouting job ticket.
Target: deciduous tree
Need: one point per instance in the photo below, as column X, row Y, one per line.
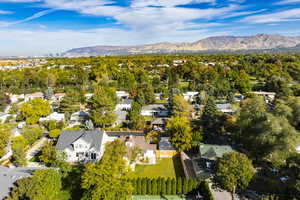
column 234, row 171
column 180, row 133
column 108, row 178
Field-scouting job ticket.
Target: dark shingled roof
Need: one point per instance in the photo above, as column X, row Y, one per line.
column 67, row 137
column 125, row 133
column 165, row 144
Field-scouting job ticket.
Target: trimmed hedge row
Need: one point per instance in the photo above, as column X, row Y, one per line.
column 164, row 186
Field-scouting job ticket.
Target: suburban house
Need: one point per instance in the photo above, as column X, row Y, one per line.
column 121, row 117
column 78, row 118
column 212, row 64
column 88, row 95
column 158, row 96
column 159, row 123
column 89, row 146
column 124, row 105
column 122, row 94
column 82, row 145
column 8, row 176
column 209, row 154
column 3, row 117
column 136, row 139
column 29, row 97
column 190, row 96
column 165, row 148
column 268, row 96
column 58, row 117
column 213, row 152
column 155, row 110
column 176, row 62
column 298, row 149
column 121, row 111
column 225, row 108
column 58, row 96
column 14, row 98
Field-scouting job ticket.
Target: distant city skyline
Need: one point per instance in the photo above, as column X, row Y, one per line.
column 38, row 27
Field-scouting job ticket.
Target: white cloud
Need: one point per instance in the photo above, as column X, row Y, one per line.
column 34, row 16
column 20, row 1
column 243, row 13
column 287, row 2
column 5, row 12
column 39, row 42
column 167, row 3
column 281, row 16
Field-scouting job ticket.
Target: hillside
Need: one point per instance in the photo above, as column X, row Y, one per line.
column 221, row 43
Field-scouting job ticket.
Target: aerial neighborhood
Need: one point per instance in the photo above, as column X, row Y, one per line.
column 210, row 127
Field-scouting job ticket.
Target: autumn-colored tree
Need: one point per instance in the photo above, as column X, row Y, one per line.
column 33, row 110
column 180, row 133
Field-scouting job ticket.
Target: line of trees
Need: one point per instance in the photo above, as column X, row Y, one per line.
column 164, row 186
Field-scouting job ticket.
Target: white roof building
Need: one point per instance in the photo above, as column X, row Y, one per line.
column 35, row 95
column 122, row 94
column 58, row 117
column 16, row 97
column 190, row 96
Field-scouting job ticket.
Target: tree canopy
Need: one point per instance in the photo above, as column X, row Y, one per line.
column 180, row 133
column 108, row 178
column 234, row 171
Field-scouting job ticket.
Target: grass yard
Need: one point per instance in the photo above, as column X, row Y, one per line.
column 165, row 167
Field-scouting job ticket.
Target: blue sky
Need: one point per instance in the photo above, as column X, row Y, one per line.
column 37, row 27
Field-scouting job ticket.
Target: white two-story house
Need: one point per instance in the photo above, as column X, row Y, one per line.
column 82, row 145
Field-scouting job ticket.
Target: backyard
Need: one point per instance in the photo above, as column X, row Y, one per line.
column 165, row 167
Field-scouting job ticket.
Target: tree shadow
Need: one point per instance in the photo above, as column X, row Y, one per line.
column 178, row 166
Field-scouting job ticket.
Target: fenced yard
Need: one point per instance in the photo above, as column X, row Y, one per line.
column 165, row 167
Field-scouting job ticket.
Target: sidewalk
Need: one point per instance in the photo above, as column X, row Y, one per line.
column 34, row 150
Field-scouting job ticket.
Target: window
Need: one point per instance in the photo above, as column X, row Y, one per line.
column 93, row 156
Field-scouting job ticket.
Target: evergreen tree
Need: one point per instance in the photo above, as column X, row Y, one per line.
column 159, row 186
column 190, row 185
column 136, row 120
column 102, row 106
column 174, row 192
column 139, row 186
column 154, row 186
column 179, row 185
column 163, row 186
column 144, row 186
column 185, row 187
column 149, row 186
column 71, row 102
column 210, row 115
column 3, row 101
column 133, row 183
column 169, row 186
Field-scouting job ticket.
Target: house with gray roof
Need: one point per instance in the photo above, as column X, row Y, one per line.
column 82, row 145
column 8, row 176
column 213, row 152
column 155, row 110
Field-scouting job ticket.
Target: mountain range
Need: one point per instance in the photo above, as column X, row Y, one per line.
column 211, row 44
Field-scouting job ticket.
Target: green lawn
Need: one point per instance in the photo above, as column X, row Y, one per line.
column 165, row 167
